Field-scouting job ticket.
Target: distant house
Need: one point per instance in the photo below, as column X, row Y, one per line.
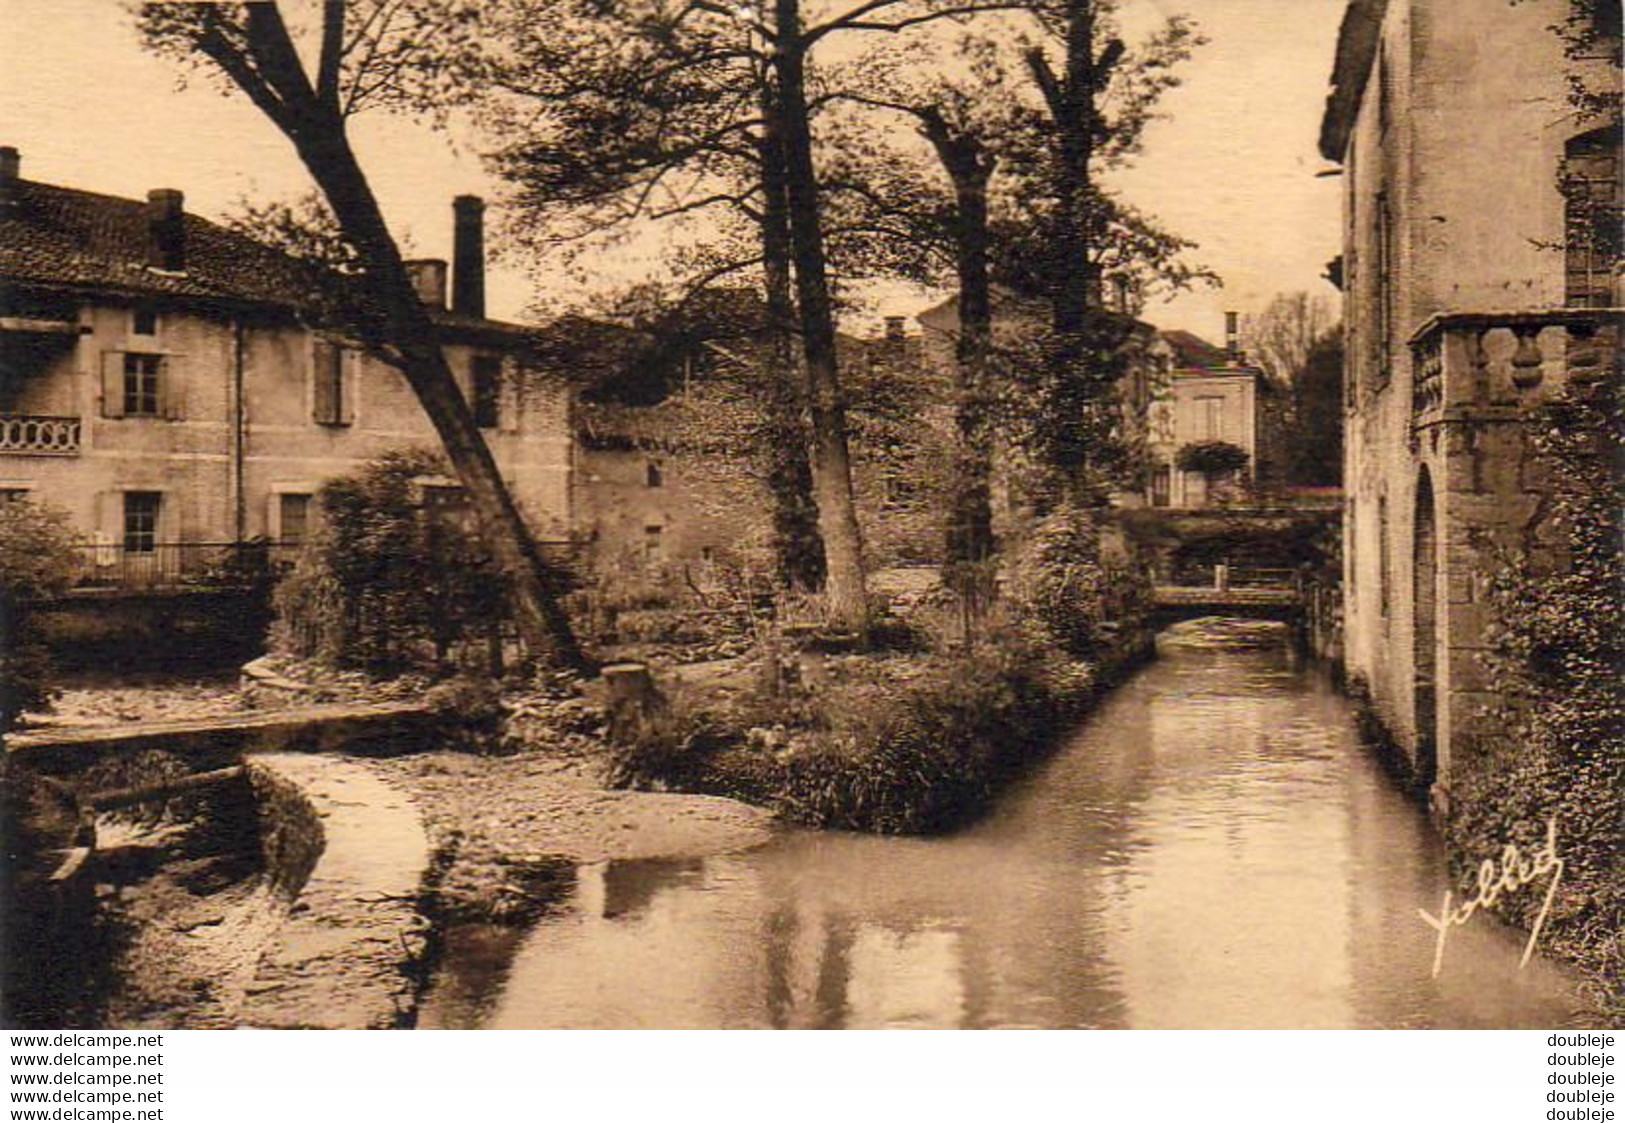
column 164, row 381
column 1209, row 396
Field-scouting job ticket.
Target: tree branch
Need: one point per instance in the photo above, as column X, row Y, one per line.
column 332, row 57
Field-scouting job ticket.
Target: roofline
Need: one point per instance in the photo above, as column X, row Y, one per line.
column 1357, row 41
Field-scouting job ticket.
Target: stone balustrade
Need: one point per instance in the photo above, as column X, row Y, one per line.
column 1468, row 363
column 39, row 436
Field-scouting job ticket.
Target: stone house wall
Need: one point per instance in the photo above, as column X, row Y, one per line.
column 1452, row 205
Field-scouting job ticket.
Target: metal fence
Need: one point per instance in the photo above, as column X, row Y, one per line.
column 181, row 565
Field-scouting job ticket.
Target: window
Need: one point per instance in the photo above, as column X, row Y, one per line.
column 652, row 541
column 141, row 375
column 13, row 495
column 1386, row 260
column 652, row 475
column 487, row 378
column 1385, row 91
column 141, row 521
column 1210, row 419
column 329, row 403
column 293, row 518
column 1161, row 477
column 1594, row 217
column 144, row 320
column 1384, row 586
column 1353, row 538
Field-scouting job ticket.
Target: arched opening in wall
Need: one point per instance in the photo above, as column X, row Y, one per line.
column 1424, row 633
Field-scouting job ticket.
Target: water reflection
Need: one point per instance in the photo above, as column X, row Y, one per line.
column 1213, row 849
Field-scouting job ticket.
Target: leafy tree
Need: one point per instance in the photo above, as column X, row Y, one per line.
column 387, row 53
column 1211, row 458
column 1098, row 96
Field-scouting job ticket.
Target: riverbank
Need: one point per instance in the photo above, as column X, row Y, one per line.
column 885, row 743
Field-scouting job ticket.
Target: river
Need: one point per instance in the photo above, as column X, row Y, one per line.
column 1213, row 848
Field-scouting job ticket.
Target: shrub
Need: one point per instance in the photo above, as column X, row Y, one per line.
column 37, row 561
column 1076, row 588
column 925, row 754
column 383, row 585
column 1211, row 458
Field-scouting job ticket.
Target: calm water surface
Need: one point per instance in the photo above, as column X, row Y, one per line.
column 1214, row 848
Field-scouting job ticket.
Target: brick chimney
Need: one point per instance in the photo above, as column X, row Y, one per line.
column 1232, row 337
column 166, row 230
column 429, row 279
column 896, row 328
column 468, row 256
column 10, row 172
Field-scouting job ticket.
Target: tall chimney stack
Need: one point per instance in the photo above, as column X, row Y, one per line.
column 166, row 230
column 429, row 280
column 11, row 165
column 468, row 256
column 1232, row 336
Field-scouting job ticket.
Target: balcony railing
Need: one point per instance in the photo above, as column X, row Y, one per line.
column 181, row 565
column 39, row 436
column 1482, row 363
column 201, row 566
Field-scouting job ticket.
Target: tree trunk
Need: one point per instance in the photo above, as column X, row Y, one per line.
column 970, row 510
column 796, row 539
column 832, row 463
column 406, row 325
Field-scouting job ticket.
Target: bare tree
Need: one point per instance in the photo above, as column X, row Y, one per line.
column 1281, row 337
column 375, row 52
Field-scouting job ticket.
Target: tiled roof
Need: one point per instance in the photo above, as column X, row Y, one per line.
column 63, row 237
column 1192, row 352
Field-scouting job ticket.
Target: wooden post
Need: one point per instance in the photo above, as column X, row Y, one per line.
column 634, row 701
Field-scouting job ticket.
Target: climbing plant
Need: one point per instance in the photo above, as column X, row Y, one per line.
column 1558, row 648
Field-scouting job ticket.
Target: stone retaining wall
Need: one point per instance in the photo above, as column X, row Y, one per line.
column 353, row 851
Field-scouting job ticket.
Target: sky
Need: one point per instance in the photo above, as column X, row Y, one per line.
column 1231, row 167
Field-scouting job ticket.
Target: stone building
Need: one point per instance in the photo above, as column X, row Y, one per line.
column 162, row 380
column 667, row 468
column 1209, row 394
column 1468, row 295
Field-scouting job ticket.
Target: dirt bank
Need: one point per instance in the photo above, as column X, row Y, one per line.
column 512, row 829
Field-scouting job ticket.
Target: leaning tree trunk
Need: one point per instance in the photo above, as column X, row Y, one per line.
column 797, row 544
column 832, row 462
column 406, row 326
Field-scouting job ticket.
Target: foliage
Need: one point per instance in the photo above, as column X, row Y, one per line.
column 1211, row 458
column 37, row 561
column 382, row 585
column 1558, row 637
column 1072, row 586
column 924, row 756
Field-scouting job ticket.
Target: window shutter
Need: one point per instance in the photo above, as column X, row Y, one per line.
column 508, row 397
column 349, row 375
column 324, row 407
column 112, row 383
column 172, row 387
